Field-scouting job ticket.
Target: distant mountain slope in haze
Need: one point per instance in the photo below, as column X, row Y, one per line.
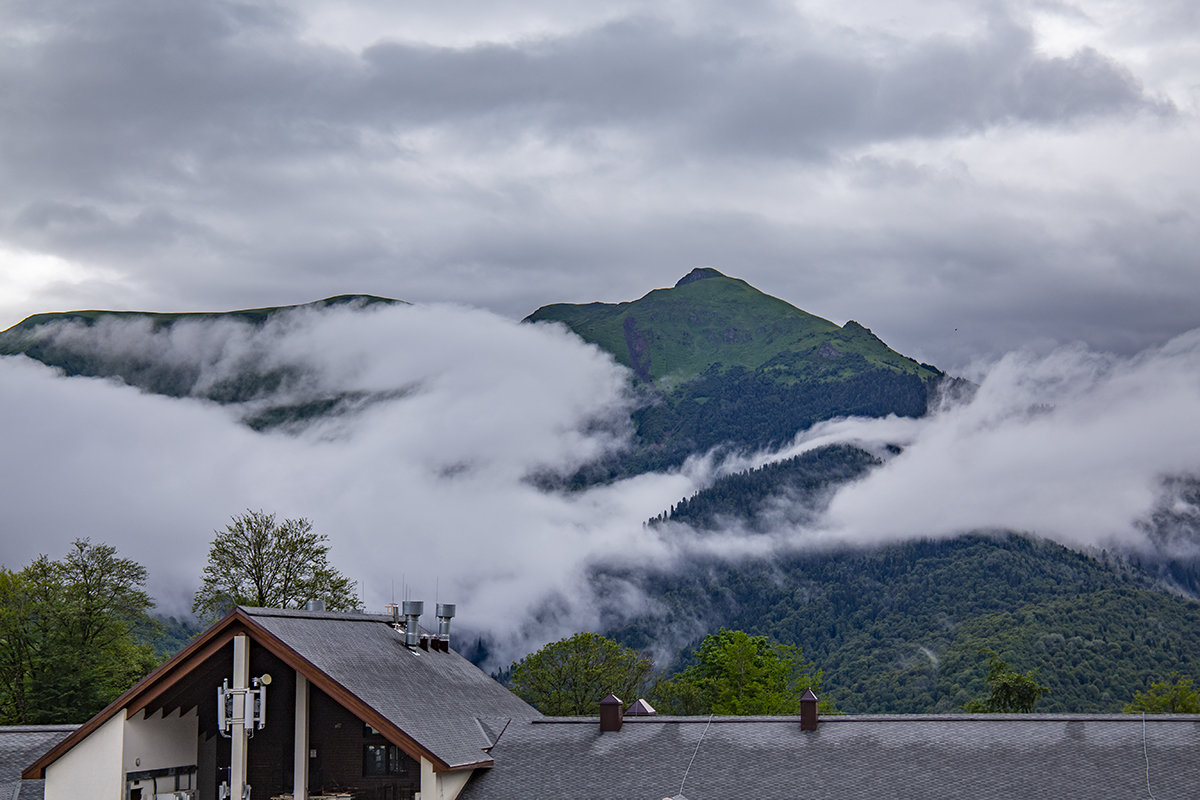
column 12, row 338
column 721, row 363
column 172, row 354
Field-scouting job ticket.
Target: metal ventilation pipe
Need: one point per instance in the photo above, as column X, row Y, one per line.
column 413, row 609
column 445, row 613
column 314, row 605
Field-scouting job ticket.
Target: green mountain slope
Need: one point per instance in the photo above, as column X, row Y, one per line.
column 721, row 363
column 899, row 628
column 674, row 335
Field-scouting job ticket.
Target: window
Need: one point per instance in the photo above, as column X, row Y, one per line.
column 384, row 759
column 375, row 759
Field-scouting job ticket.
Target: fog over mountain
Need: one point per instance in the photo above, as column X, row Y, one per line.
column 437, row 486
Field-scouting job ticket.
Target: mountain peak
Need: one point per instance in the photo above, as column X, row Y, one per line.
column 699, row 274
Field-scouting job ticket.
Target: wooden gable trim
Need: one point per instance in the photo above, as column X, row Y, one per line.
column 169, row 682
column 170, row 671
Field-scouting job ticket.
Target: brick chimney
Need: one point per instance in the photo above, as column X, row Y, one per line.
column 808, row 711
column 610, row 714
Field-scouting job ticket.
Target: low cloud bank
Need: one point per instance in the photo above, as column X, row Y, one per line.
column 430, row 491
column 1076, row 446
column 427, row 492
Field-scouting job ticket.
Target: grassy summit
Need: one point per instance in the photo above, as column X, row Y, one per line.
column 708, row 318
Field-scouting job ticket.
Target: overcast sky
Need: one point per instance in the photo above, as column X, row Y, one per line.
column 963, row 177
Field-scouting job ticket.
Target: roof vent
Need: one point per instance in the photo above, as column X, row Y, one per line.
column 314, row 605
column 808, row 711
column 413, row 609
column 610, row 714
column 641, row 709
column 445, row 613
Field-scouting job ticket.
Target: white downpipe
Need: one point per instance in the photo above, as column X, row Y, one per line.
column 300, row 757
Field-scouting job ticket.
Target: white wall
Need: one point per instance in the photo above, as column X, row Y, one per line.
column 92, row 768
column 451, row 783
column 441, row 785
column 160, row 742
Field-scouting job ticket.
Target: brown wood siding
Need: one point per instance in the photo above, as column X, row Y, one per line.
column 339, row 738
column 269, row 767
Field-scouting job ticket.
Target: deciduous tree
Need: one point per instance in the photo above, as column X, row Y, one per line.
column 739, row 674
column 571, row 676
column 1175, row 696
column 255, row 561
column 67, row 634
column 1009, row 691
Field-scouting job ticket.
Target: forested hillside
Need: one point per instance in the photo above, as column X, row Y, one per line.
column 790, row 490
column 900, row 628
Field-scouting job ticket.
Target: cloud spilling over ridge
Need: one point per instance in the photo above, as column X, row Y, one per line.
column 427, row 492
column 1075, row 446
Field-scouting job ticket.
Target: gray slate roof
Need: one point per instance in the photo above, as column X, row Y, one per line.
column 20, row 745
column 975, row 757
column 440, row 699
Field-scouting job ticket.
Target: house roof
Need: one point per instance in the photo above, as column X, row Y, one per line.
column 430, row 703
column 441, row 700
column 20, row 744
column 877, row 757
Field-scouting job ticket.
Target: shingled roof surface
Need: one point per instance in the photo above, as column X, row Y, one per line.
column 440, row 699
column 19, row 746
column 982, row 757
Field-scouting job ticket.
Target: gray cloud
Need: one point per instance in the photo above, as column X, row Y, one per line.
column 223, row 155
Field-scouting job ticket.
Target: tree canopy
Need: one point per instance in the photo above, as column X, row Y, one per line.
column 67, row 634
column 1009, row 691
column 739, row 674
column 1175, row 696
column 255, row 561
column 571, row 676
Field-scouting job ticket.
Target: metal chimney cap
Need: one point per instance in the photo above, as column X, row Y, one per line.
column 808, row 696
column 641, row 708
column 445, row 610
column 414, row 608
column 314, row 605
